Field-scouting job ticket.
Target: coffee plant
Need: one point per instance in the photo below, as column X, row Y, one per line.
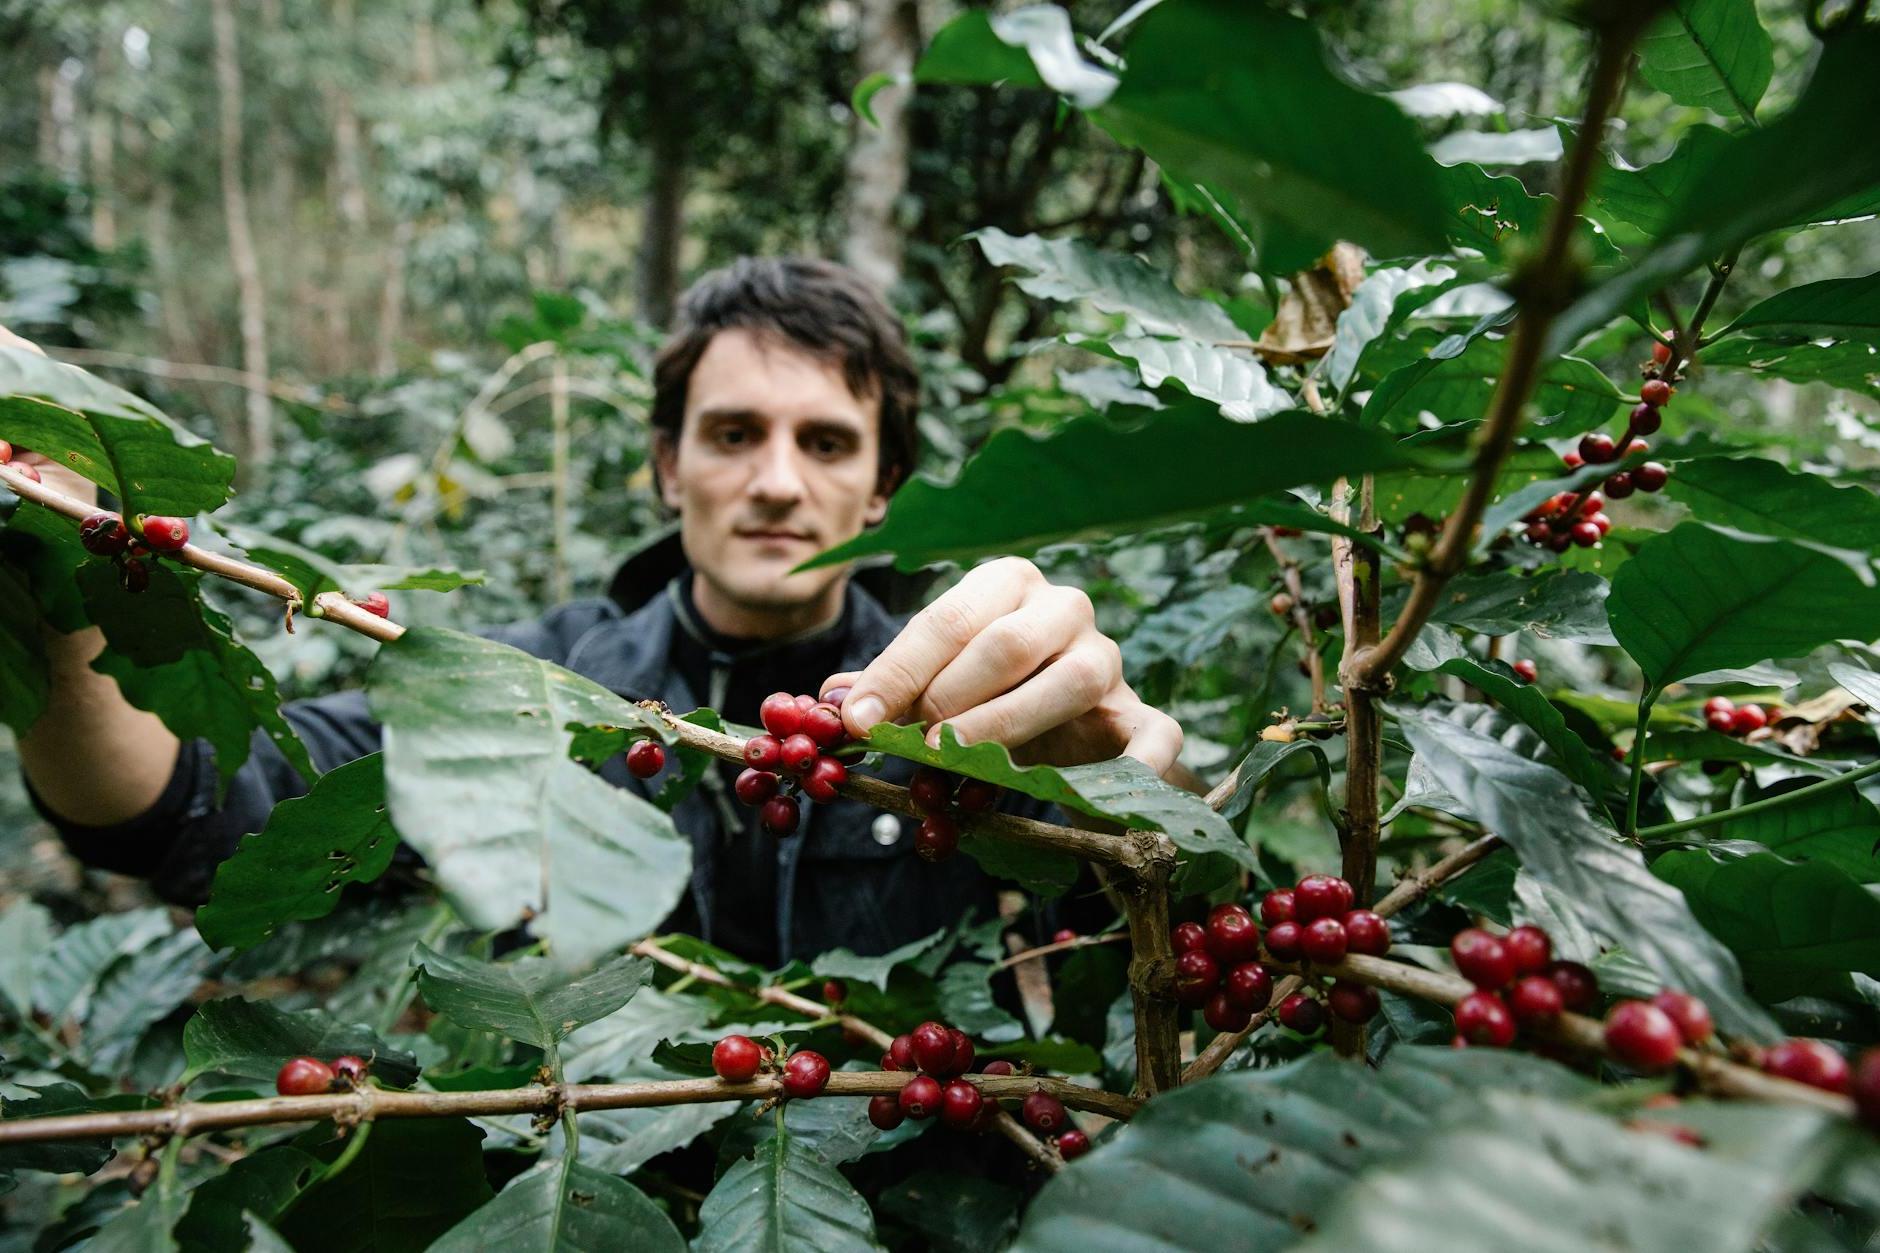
column 1590, row 962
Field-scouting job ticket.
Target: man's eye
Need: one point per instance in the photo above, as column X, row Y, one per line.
column 730, row 436
column 828, row 446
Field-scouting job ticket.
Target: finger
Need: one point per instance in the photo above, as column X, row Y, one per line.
column 845, row 679
column 1157, row 742
column 1068, row 688
column 892, row 682
column 1007, row 652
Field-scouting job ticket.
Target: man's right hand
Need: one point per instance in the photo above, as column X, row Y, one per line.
column 59, row 478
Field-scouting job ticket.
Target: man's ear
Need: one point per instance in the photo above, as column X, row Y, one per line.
column 878, row 503
column 666, row 468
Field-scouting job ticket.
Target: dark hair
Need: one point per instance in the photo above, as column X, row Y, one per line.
column 829, row 311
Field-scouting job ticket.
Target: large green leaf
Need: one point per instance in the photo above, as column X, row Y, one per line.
column 1250, row 1159
column 784, row 1199
column 568, row 1206
column 1029, row 47
column 294, row 868
column 25, row 934
column 479, row 779
column 1712, row 54
column 957, row 1213
column 1839, row 827
column 1797, row 927
column 1186, row 630
column 1381, row 303
column 620, row 1141
column 840, row 963
column 145, row 1226
column 1094, row 479
column 176, row 655
column 620, row 1044
column 1648, row 196
column 263, row 1184
column 136, row 992
column 64, row 1157
column 1535, row 1174
column 1854, row 366
column 250, row 1040
column 1232, row 378
column 1835, row 308
column 1069, row 269
column 109, row 436
column 531, row 999
column 1572, row 395
column 23, row 681
column 1553, row 604
column 313, row 574
column 413, row 1180
column 1768, row 498
column 67, row 972
column 1697, row 598
column 1491, row 769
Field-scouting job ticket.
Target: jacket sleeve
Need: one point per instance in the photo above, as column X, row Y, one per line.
column 178, row 843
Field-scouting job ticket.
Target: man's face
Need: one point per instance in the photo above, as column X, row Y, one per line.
column 776, row 460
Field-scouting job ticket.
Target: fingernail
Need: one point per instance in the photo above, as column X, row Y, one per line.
column 866, row 712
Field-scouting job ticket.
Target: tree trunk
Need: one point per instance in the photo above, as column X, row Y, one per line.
column 61, row 141
column 663, row 220
column 102, row 133
column 241, row 244
column 876, row 170
column 392, row 304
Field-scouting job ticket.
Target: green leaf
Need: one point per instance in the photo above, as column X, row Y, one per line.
column 966, row 1002
column 25, row 934
column 23, row 680
column 1252, row 1158
column 1232, row 378
column 479, row 779
column 109, row 436
column 1264, row 758
column 1379, row 305
column 1069, row 269
column 1093, row 479
column 294, row 868
column 1853, row 366
column 1797, row 927
column 840, row 963
column 63, row 1157
column 143, row 1227
column 136, row 992
column 174, row 654
column 620, row 1141
column 956, row 1213
column 262, row 1184
column 620, row 1043
column 413, row 1181
column 1542, row 1175
column 1534, row 807
column 784, row 1199
column 1648, row 197
column 1835, row 308
column 1553, row 604
column 1711, row 54
column 1496, row 215
column 69, row 970
column 313, row 574
column 1498, row 147
column 1767, row 498
column 1030, row 47
column 1572, row 396
column 565, row 1205
column 531, row 999
column 1839, row 827
column 250, row 1040
column 1185, row 631
column 1053, row 1054
column 1697, row 598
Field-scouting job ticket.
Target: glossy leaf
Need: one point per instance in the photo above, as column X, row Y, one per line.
column 479, row 780
column 620, row 1141
column 1232, row 378
column 1767, row 498
column 23, row 681
column 1498, row 147
column 1854, row 366
column 261, row 1185
column 1069, row 269
column 67, row 972
column 840, row 963
column 786, row 1199
column 54, row 1156
column 1491, row 770
column 136, row 992
column 1835, row 308
column 1697, row 598
column 313, row 574
column 296, row 866
column 561, row 1207
column 1553, row 604
column 1572, row 396
column 1712, row 54
column 413, row 1181
column 530, row 999
column 250, row 1040
column 1184, row 631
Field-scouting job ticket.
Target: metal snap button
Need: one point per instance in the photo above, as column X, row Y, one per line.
column 886, row 829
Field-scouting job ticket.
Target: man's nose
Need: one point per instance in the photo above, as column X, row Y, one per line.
column 779, row 477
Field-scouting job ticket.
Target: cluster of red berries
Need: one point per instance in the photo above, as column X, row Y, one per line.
column 1518, row 984
column 1560, row 523
column 791, row 756
column 309, row 1076
column 938, row 1055
column 942, row 797
column 1727, row 718
column 737, row 1058
column 104, row 534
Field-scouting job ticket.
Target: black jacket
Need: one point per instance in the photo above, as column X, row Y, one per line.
column 848, row 878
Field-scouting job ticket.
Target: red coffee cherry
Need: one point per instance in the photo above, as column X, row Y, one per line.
column 104, row 534
column 1866, row 1087
column 835, row 991
column 1748, row 718
column 1072, row 1144
column 1572, row 459
column 1321, row 896
column 1810, row 1062
column 1367, row 933
column 1690, row 1015
column 350, row 1069
column 976, row 796
column 1601, row 521
column 1529, row 948
column 1250, row 987
column 1482, row 958
column 824, row 781
column 164, row 534
column 1535, row 1000
column 1188, row 935
column 1283, row 942
column 645, row 759
column 1642, row 1036
column 1661, row 352
column 1527, row 670
column 304, row 1076
column 1484, row 1018
column 931, row 789
column 1597, row 448
column 376, row 604
column 1655, row 392
column 960, row 1103
column 736, row 1058
column 6, row 452
column 805, row 1074
column 933, row 1047
column 1646, row 418
column 1579, row 987
column 1619, row 486
column 1063, row 935
column 999, row 1067
column 1232, row 937
column 780, row 815
column 755, row 786
column 1650, row 477
column 1719, row 704
column 1223, row 1015
column 1197, row 974
column 963, row 1052
column 1042, row 1112
column 780, row 715
column 901, row 1053
column 920, row 1097
column 1354, row 1002
column 1324, row 941
column 1584, row 534
column 824, row 725
column 798, row 752
column 885, row 1112
column 1723, row 721
column 937, row 839
column 763, row 752
column 1301, row 1013
column 134, row 575
column 1276, row 907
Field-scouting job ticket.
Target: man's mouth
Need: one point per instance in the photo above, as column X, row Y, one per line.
column 774, row 536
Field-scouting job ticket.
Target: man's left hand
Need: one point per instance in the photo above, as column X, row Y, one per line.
column 1006, row 655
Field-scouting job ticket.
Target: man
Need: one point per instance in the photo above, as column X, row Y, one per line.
column 784, row 417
